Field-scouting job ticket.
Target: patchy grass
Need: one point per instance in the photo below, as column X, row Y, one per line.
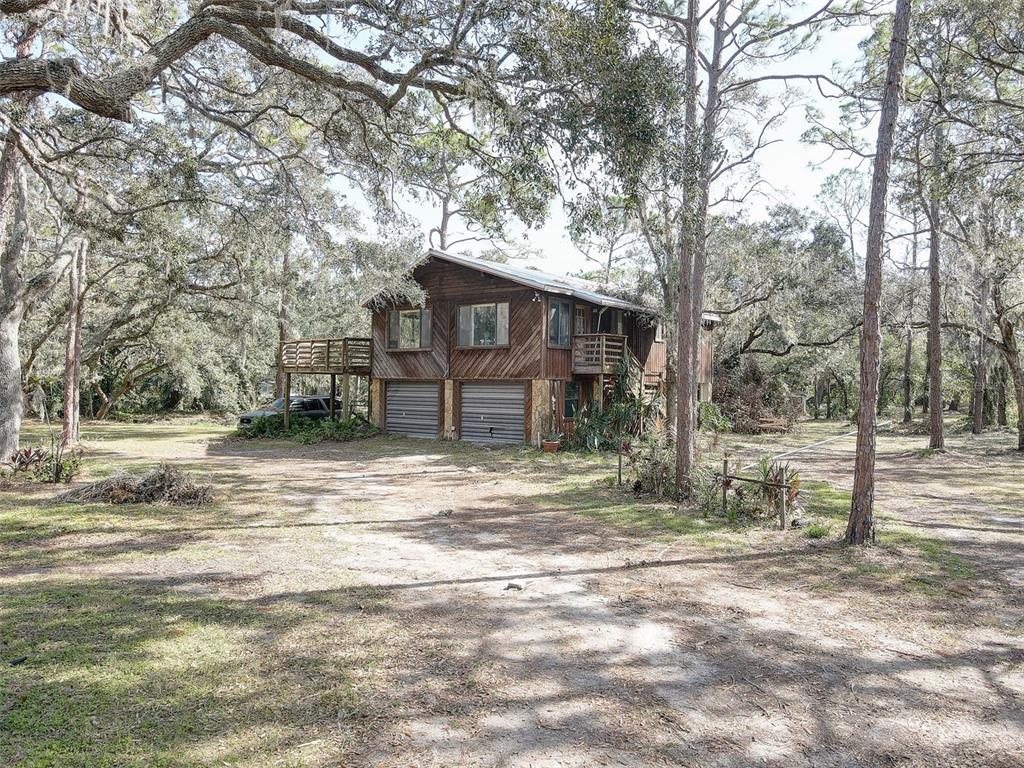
column 125, row 674
column 236, row 635
column 822, row 500
column 945, row 565
column 817, row 531
column 599, row 498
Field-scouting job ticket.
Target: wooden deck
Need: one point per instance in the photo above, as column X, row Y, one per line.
column 350, row 355
column 598, row 353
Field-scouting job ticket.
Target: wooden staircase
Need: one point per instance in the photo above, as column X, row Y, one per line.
column 638, row 379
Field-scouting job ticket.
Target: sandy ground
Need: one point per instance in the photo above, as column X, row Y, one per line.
column 530, row 636
column 971, row 495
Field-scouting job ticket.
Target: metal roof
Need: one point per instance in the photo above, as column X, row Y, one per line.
column 542, row 281
column 566, row 286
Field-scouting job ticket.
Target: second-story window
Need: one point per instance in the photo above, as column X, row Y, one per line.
column 558, row 323
column 582, row 321
column 409, row 329
column 484, row 325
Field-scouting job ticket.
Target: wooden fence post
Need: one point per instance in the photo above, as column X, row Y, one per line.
column 334, row 395
column 783, row 501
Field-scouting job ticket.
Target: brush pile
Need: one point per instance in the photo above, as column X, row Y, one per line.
column 163, row 485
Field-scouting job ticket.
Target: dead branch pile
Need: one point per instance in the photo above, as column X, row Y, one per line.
column 163, row 485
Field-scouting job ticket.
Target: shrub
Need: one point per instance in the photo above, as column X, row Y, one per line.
column 817, row 531
column 26, row 459
column 711, row 419
column 352, row 428
column 61, row 466
column 745, row 395
column 56, row 465
column 308, row 431
column 779, row 474
column 653, row 464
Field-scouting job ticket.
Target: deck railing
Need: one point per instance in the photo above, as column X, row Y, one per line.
column 339, row 355
column 598, row 353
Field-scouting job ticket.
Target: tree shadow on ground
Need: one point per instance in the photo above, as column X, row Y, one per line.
column 141, row 672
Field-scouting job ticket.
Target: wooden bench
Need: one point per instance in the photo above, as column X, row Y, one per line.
column 772, row 425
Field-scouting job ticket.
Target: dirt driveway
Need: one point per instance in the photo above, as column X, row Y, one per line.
column 495, row 625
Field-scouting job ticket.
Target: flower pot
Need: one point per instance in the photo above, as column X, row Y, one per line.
column 550, row 446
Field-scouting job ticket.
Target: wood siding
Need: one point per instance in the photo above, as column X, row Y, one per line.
column 447, row 287
column 557, row 361
column 527, row 356
column 705, row 357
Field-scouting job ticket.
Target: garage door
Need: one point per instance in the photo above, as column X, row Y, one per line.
column 411, row 408
column 492, row 412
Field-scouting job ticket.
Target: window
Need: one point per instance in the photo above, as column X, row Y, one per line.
column 580, row 322
column 658, row 333
column 409, row 329
column 572, row 399
column 558, row 323
column 484, row 325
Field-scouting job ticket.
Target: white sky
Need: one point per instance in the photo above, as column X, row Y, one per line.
column 792, row 169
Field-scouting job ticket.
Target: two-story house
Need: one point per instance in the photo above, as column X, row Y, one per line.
column 506, row 354
column 494, row 353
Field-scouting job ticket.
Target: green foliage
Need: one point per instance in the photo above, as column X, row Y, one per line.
column 652, row 463
column 308, row 431
column 817, row 531
column 57, row 464
column 779, row 474
column 711, row 419
column 631, row 412
column 61, row 466
column 746, row 394
column 26, row 459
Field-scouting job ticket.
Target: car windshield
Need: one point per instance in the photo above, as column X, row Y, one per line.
column 277, row 405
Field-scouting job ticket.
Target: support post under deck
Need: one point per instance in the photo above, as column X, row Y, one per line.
column 287, row 399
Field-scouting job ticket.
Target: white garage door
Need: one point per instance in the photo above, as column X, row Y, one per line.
column 493, row 412
column 411, row 408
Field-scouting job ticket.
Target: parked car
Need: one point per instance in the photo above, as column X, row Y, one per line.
column 307, row 406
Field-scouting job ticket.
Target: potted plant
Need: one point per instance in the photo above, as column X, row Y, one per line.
column 551, row 442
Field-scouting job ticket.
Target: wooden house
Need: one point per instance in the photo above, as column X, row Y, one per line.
column 498, row 353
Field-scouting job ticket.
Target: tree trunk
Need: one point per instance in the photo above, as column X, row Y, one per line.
column 670, row 395
column 73, row 348
column 908, row 390
column 927, row 377
column 980, row 355
column 936, row 438
column 1001, row 419
column 131, row 380
column 908, row 353
column 861, row 526
column 1011, row 354
column 978, row 395
column 14, row 226
column 282, row 319
column 686, row 380
column 11, row 399
column 13, row 208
